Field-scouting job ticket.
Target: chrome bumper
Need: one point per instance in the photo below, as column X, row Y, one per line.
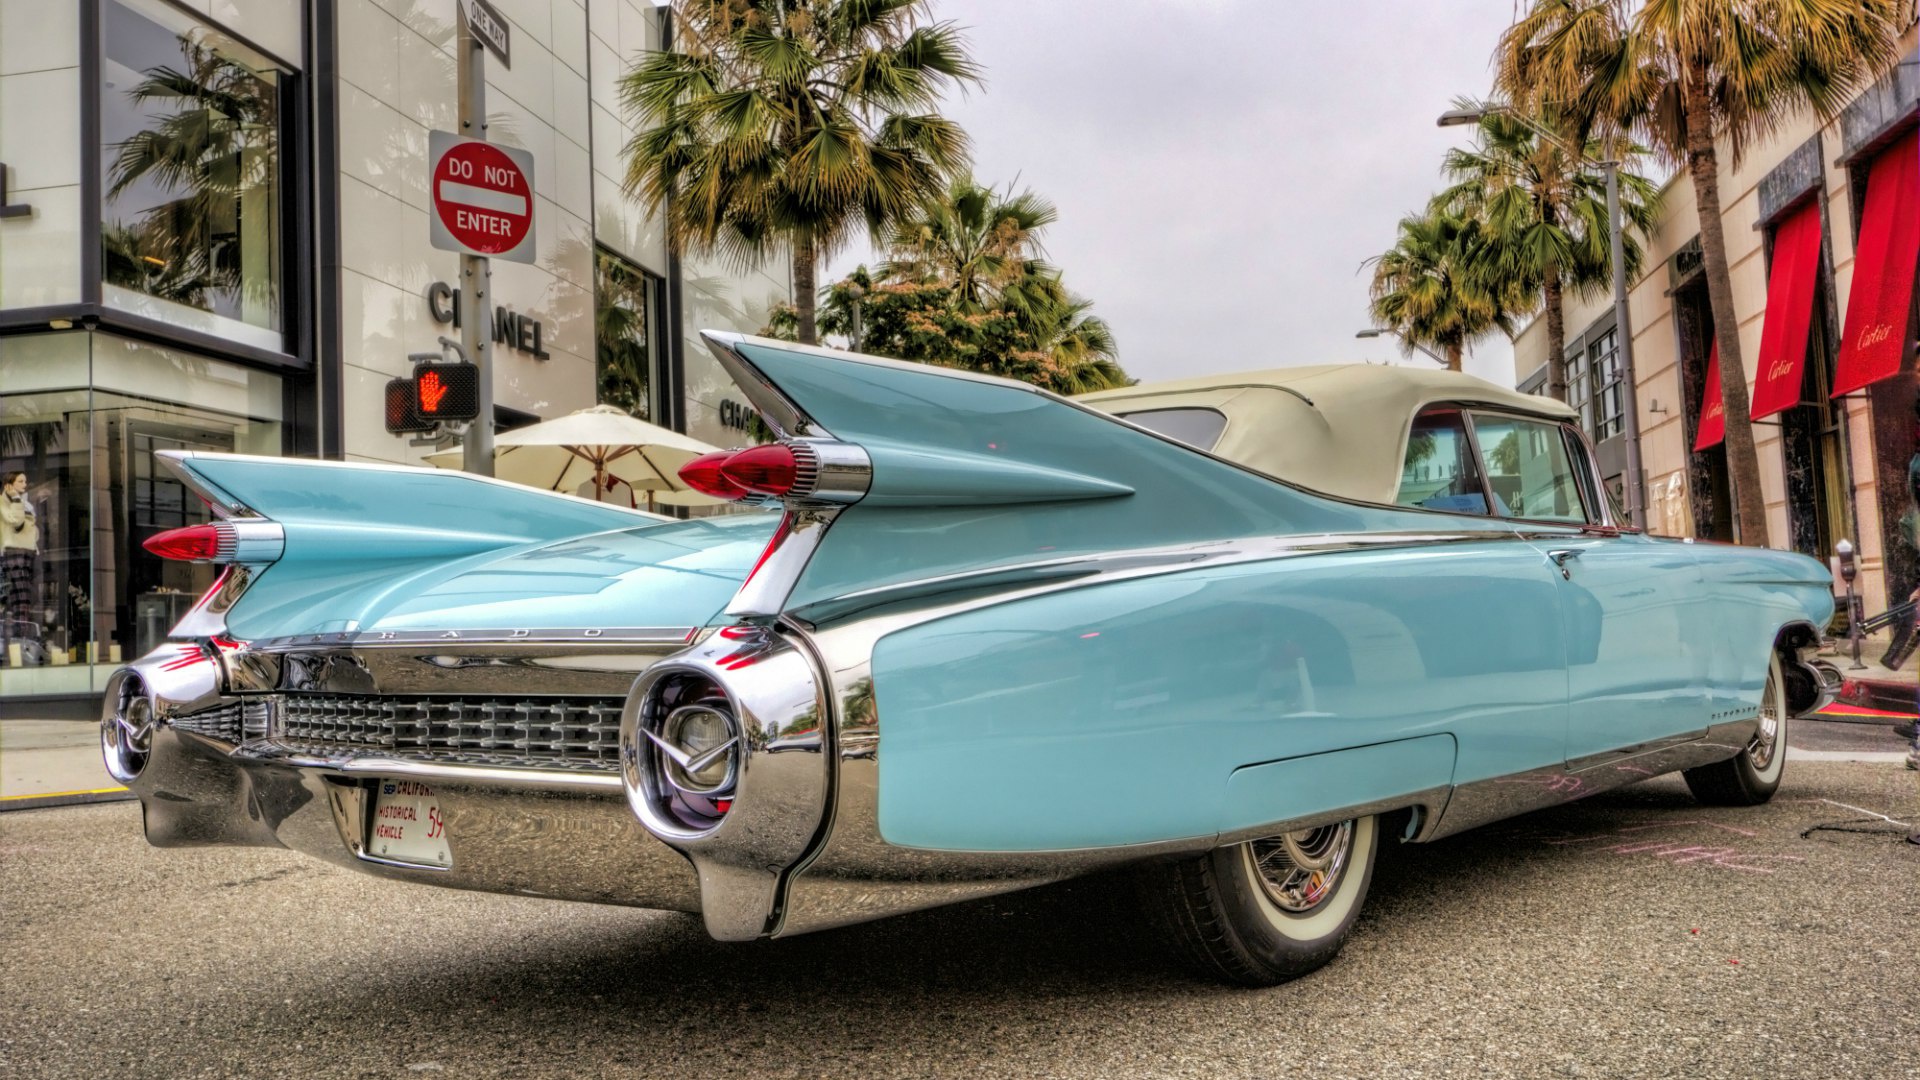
column 558, row 833
column 533, row 835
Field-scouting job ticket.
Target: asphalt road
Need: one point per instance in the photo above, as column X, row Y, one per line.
column 1633, row 934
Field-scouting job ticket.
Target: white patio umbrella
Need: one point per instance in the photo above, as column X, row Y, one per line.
column 601, row 445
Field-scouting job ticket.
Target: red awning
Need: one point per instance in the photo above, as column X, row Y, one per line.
column 1875, row 340
column 1783, row 341
column 1713, row 408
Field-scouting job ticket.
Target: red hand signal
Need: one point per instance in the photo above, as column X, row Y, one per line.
column 431, row 391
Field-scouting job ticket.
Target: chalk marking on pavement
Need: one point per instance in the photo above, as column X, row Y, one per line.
column 1655, row 825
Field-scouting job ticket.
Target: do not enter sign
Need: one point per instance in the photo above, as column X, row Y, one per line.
column 482, row 198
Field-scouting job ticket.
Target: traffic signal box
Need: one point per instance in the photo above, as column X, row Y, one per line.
column 436, row 393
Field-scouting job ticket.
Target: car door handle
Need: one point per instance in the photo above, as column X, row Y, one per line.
column 1561, row 557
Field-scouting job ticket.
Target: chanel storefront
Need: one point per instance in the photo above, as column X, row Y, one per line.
column 213, row 236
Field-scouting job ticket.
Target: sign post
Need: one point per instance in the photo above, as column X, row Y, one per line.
column 476, row 277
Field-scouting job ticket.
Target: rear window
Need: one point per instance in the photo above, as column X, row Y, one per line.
column 1196, row 427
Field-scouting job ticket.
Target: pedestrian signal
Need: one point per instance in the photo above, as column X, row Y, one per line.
column 402, row 417
column 446, row 392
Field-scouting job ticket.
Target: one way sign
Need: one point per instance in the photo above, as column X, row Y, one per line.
column 490, row 27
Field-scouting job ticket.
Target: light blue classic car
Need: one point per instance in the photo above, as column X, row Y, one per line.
column 1238, row 632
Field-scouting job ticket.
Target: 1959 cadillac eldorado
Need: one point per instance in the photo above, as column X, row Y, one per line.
column 1238, row 632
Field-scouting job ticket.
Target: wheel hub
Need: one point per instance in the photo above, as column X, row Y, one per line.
column 1767, row 739
column 1298, row 870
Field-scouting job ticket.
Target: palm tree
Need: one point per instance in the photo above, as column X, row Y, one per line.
column 1544, row 214
column 973, row 239
column 1428, row 289
column 1686, row 76
column 794, row 122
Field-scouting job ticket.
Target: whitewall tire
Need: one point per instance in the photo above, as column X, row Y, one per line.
column 1750, row 777
column 1268, row 910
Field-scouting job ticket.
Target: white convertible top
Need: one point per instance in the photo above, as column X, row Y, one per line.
column 1337, row 428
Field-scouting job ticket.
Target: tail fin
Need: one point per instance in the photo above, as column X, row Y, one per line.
column 323, row 546
column 333, row 509
column 950, row 452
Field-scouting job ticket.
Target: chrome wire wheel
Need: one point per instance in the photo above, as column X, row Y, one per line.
column 1299, row 870
column 1766, row 738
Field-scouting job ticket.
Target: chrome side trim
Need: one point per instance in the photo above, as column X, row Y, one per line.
column 398, row 639
column 1484, row 801
column 1120, row 565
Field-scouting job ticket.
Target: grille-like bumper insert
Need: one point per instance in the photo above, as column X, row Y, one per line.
column 571, row 732
column 234, row 723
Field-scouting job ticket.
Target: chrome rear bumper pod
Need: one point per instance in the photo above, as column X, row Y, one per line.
column 531, row 805
column 207, row 772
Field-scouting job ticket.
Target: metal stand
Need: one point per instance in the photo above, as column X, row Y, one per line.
column 1850, row 569
column 476, row 275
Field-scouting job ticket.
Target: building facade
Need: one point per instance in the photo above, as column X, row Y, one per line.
column 215, row 236
column 1822, row 224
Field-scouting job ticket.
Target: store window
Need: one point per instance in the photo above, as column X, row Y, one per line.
column 83, row 421
column 626, row 299
column 1593, row 384
column 191, row 125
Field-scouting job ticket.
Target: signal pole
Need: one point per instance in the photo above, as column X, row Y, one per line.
column 476, row 273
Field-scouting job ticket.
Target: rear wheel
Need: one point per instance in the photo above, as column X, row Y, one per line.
column 1750, row 777
column 1268, row 910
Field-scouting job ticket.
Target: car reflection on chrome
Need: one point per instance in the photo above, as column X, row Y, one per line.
column 967, row 637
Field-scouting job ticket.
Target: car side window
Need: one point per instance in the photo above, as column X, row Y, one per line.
column 1529, row 469
column 1199, row 428
column 1440, row 471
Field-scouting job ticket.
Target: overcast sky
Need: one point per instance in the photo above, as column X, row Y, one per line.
column 1223, row 167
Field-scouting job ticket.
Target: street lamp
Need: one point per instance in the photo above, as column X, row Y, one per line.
column 1623, row 330
column 1387, row 331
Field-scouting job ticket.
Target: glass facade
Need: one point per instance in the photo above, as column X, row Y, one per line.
column 1594, row 387
column 625, row 305
column 83, row 418
column 190, row 124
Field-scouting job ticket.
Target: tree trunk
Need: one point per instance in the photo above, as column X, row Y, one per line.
column 1454, row 352
column 805, row 293
column 1743, row 462
column 1556, row 333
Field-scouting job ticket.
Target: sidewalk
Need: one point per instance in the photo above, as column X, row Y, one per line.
column 52, row 761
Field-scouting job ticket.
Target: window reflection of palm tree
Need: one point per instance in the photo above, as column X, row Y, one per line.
column 211, row 147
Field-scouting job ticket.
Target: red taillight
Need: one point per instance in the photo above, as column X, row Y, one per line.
column 766, row 470
column 703, row 474
column 195, row 543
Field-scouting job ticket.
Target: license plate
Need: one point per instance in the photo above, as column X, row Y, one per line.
column 407, row 825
